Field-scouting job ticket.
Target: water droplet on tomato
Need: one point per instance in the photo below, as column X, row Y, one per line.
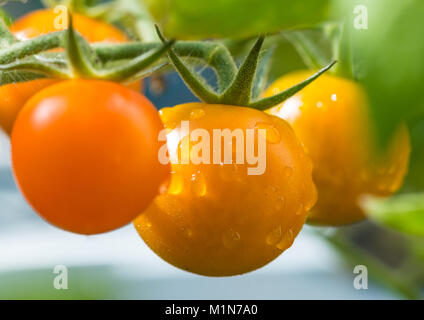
column 274, row 236
column 230, row 239
column 164, row 187
column 198, row 184
column 288, row 171
column 197, row 113
column 287, row 240
column 269, row 132
column 300, row 210
column 279, row 203
column 176, row 185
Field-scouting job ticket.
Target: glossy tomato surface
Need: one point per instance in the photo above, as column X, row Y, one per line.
column 330, row 116
column 85, row 155
column 13, row 96
column 216, row 219
column 47, row 20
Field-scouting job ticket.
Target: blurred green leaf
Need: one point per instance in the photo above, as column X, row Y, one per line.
column 414, row 181
column 404, row 213
column 234, row 18
column 5, row 17
column 390, row 55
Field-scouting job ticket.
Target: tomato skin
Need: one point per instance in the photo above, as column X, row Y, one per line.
column 42, row 21
column 13, row 96
column 216, row 220
column 87, row 162
column 330, row 117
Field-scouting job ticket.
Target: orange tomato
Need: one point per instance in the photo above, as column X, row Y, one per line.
column 43, row 21
column 216, row 219
column 13, row 97
column 88, row 162
column 36, row 23
column 330, row 116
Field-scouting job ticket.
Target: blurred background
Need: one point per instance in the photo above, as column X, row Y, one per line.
column 118, row 265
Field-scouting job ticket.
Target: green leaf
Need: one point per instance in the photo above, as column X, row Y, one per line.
column 234, row 18
column 404, row 213
column 5, row 17
column 390, row 55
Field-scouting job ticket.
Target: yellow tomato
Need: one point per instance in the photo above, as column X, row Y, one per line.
column 330, row 116
column 217, row 219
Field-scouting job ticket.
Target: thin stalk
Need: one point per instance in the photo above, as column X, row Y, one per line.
column 30, row 47
column 214, row 54
column 130, row 69
column 36, row 67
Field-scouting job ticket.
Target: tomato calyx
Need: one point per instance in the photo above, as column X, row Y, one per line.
column 238, row 86
column 86, row 64
column 25, row 60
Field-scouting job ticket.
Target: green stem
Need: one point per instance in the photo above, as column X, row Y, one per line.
column 34, row 66
column 214, row 54
column 133, row 67
column 79, row 53
column 30, row 47
column 8, row 77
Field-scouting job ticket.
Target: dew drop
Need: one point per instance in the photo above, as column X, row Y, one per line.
column 176, row 185
column 230, row 239
column 198, row 184
column 288, row 171
column 300, row 210
column 279, row 203
column 287, row 240
column 188, row 232
column 163, row 187
column 170, row 125
column 274, row 236
column 197, row 113
column 272, row 133
column 311, row 203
